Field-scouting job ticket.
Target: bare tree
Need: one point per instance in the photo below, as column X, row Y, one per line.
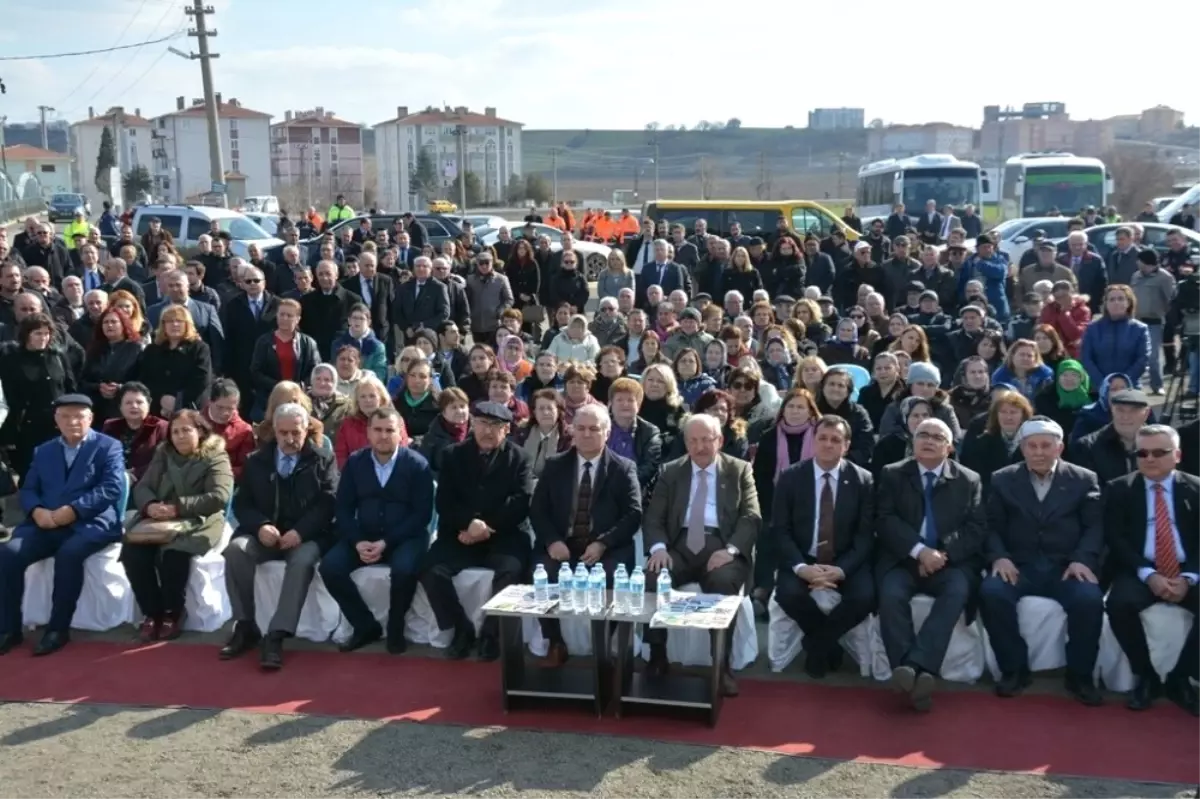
column 651, row 126
column 1137, row 178
column 292, row 197
column 370, row 181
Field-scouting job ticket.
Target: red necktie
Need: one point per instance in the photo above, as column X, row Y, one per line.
column 1166, row 561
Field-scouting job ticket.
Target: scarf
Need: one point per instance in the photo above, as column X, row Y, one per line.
column 1073, row 400
column 458, row 432
column 414, row 402
column 511, row 366
column 782, row 431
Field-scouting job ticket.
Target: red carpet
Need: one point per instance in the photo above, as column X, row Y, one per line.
column 967, row 729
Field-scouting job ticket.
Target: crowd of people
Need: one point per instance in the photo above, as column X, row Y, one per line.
column 895, row 417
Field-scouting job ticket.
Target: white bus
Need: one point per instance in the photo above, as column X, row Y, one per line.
column 1038, row 184
column 915, row 180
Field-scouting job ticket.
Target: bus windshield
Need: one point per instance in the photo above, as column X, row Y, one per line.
column 1068, row 189
column 955, row 186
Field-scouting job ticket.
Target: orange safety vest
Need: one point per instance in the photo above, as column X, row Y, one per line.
column 604, row 228
column 628, row 226
column 554, row 220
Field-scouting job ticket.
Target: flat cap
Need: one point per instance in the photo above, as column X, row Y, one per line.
column 71, row 400
column 494, row 411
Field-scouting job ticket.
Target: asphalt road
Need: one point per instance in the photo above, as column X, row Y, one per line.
column 87, row 750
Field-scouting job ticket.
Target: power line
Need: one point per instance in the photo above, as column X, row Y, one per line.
column 175, row 35
column 104, row 60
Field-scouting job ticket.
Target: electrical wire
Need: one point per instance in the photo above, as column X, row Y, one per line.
column 104, row 59
column 175, row 35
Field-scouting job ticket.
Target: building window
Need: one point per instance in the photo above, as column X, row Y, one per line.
column 233, row 134
column 232, row 125
column 333, row 171
column 333, row 155
column 234, row 153
column 316, row 136
column 333, row 135
column 46, row 168
column 235, row 165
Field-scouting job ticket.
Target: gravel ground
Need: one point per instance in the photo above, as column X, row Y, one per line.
column 91, row 750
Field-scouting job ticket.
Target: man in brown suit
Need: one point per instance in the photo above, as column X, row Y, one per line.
column 701, row 524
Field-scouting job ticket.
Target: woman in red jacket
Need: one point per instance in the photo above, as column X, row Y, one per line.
column 138, row 431
column 369, row 396
column 222, row 413
column 1068, row 313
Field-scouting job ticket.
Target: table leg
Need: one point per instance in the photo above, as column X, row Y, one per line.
column 512, row 659
column 622, row 673
column 718, row 668
column 601, row 664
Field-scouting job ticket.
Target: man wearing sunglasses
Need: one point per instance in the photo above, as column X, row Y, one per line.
column 245, row 318
column 1152, row 527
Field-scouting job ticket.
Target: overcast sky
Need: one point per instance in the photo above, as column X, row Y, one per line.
column 615, row 63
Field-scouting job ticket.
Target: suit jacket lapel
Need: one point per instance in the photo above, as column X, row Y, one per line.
column 845, row 501
column 681, row 498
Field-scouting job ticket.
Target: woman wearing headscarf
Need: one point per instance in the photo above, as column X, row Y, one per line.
column 971, row 394
column 1094, row 415
column 716, row 362
column 576, row 343
column 778, row 366
column 897, row 445
column 1065, row 397
column 511, row 358
column 329, row 405
column 844, row 346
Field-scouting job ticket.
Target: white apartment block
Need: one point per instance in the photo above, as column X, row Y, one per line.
column 316, row 156
column 493, row 152
column 132, row 133
column 182, row 167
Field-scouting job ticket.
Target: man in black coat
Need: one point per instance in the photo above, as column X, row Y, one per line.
column 897, row 223
column 586, row 508
column 284, row 508
column 422, row 302
column 930, row 531
column 245, row 318
column 1110, row 451
column 822, row 523
column 686, row 253
column 417, row 233
column 659, row 272
column 1045, row 536
column 1151, row 525
column 482, row 523
column 49, row 254
column 929, row 226
column 456, row 293
column 324, row 311
column 378, row 292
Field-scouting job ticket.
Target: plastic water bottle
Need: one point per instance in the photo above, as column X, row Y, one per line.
column 621, row 590
column 596, row 584
column 565, row 579
column 541, row 584
column 664, row 588
column 579, row 599
column 637, row 591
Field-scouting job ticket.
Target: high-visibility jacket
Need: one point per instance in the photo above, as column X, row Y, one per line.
column 604, row 228
column 74, row 229
column 554, row 220
column 316, row 221
column 337, row 213
column 628, row 226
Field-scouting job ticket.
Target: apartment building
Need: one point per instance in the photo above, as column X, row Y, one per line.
column 316, row 156
column 132, row 132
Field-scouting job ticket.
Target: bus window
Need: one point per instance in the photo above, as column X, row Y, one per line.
column 810, row 220
column 754, row 223
column 687, row 217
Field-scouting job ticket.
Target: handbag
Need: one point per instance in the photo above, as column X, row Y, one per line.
column 156, row 532
column 533, row 313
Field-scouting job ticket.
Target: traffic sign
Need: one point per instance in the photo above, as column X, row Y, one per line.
column 218, row 188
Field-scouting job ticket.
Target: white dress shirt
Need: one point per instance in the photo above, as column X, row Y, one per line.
column 915, row 552
column 1148, row 548
column 364, row 285
column 383, row 471
column 645, row 255
column 580, row 461
column 710, row 507
column 818, row 486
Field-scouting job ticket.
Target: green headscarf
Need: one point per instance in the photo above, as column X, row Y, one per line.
column 1072, row 400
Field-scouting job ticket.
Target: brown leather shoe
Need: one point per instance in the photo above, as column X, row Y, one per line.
column 172, row 626
column 729, row 686
column 149, row 630
column 557, row 655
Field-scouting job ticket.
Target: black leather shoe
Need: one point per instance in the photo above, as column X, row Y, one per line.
column 463, row 643
column 361, row 639
column 816, row 664
column 245, row 637
column 51, row 642
column 1145, row 691
column 1011, row 685
column 1084, row 690
column 489, row 648
column 271, row 656
column 922, row 692
column 10, row 641
column 836, row 657
column 1181, row 691
column 396, row 645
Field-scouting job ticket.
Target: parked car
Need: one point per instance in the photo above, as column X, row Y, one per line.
column 262, row 204
column 595, row 256
column 1154, row 234
column 442, row 207
column 268, row 222
column 187, row 223
column 439, row 227
column 63, row 206
column 1015, row 236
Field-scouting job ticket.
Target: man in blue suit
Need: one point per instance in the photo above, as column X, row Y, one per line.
column 72, row 496
column 384, row 507
column 204, row 316
column 659, row 272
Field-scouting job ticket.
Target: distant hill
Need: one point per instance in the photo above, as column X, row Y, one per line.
column 31, row 134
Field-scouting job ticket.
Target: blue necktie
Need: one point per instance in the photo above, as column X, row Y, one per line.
column 256, row 307
column 286, row 464
column 931, row 534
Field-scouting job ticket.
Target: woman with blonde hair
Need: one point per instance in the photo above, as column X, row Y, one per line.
column 124, row 300
column 369, row 396
column 913, row 340
column 287, row 391
column 809, row 371
column 662, row 404
column 177, row 366
column 808, row 312
column 1023, row 368
column 615, row 276
column 741, row 275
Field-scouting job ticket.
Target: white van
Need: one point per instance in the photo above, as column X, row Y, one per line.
column 261, row 204
column 186, row 223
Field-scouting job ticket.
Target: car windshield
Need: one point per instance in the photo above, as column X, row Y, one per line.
column 1009, row 229
column 66, row 199
column 240, row 228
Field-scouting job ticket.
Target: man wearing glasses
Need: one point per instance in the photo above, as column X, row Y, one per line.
column 1152, row 528
column 248, row 316
column 930, row 536
column 49, row 254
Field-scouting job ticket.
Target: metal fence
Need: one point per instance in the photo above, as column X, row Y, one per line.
column 20, row 197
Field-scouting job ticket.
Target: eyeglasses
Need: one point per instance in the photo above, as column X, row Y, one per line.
column 938, row 437
column 1154, row 453
column 252, row 281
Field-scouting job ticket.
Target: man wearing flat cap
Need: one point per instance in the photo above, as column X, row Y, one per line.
column 1045, row 536
column 73, row 497
column 483, row 512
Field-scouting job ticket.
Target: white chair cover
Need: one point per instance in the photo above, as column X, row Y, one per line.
column 1043, row 624
column 785, row 638
column 1166, row 628
column 206, row 600
column 105, row 603
column 576, row 633
column 964, row 661
column 694, row 647
column 318, row 618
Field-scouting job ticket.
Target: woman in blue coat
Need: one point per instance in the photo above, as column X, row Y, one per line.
column 1024, row 369
column 1116, row 343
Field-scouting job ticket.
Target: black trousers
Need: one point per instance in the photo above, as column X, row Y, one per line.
column 447, row 557
column 926, row 648
column 692, row 567
column 551, row 629
column 1127, row 598
column 822, row 632
column 158, row 577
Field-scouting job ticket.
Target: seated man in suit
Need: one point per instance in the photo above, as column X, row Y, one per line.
column 823, row 522
column 930, row 535
column 1044, row 538
column 1152, row 529
column 587, row 507
column 384, row 506
column 701, row 524
column 284, row 512
column 483, row 514
column 71, row 496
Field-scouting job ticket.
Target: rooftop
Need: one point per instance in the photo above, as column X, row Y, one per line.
column 25, row 152
column 127, row 119
column 459, row 115
column 317, row 116
column 225, row 110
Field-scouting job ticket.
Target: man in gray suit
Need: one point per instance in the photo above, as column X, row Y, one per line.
column 701, row 524
column 204, row 316
column 1123, row 262
column 1045, row 534
column 930, row 536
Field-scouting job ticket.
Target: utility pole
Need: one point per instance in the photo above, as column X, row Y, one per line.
column 199, row 12
column 45, row 133
column 841, row 164
column 654, row 143
column 460, row 133
column 637, row 172
column 304, row 173
column 554, row 172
